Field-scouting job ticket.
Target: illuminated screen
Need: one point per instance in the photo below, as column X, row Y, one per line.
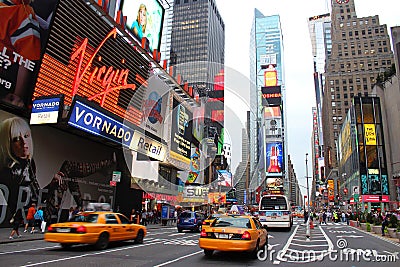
column 274, row 158
column 86, row 56
column 181, row 132
column 144, row 19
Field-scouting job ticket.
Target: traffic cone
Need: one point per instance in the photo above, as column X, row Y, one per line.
column 311, row 224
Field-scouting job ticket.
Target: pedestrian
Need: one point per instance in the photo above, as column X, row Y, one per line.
column 343, row 216
column 324, row 216
column 54, row 215
column 70, row 213
column 30, row 220
column 385, row 223
column 15, row 221
column 38, row 219
column 305, row 216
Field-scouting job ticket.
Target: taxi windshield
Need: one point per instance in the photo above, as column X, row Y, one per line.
column 232, row 222
column 85, row 217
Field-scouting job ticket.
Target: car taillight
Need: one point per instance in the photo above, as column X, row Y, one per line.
column 81, row 229
column 262, row 213
column 246, row 235
column 203, row 233
column 50, row 228
column 195, row 220
column 205, row 223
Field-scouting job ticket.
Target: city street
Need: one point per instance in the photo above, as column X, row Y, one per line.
column 329, row 245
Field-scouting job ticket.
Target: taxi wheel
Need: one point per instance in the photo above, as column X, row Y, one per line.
column 65, row 246
column 102, row 242
column 139, row 237
column 208, row 252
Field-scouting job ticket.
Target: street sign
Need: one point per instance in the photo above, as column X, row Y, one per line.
column 116, row 177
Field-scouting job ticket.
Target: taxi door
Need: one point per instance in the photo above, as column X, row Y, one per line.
column 113, row 227
column 127, row 228
column 262, row 232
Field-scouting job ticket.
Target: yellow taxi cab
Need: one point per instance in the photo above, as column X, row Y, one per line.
column 233, row 233
column 97, row 228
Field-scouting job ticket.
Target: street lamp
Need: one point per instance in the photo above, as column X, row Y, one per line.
column 308, row 189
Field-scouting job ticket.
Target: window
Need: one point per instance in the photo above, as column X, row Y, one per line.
column 123, row 219
column 111, row 219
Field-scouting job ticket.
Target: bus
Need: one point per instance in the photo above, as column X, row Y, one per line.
column 274, row 211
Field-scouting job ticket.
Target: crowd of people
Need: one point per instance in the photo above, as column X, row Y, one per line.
column 145, row 217
column 329, row 215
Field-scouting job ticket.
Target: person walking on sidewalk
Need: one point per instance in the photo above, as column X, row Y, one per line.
column 15, row 221
column 38, row 218
column 30, row 220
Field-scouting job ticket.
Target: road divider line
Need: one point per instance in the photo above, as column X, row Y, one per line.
column 26, row 250
column 178, row 259
column 89, row 254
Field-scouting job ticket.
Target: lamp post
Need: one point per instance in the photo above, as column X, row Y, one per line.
column 308, row 189
column 308, row 232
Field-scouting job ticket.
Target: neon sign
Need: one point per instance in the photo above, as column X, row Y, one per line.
column 106, row 76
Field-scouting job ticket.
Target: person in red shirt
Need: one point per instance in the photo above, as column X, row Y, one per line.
column 30, row 218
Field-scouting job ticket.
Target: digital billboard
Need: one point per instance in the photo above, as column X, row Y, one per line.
column 23, row 31
column 144, row 20
column 274, row 158
column 270, row 76
column 224, row 178
column 181, row 132
column 86, row 56
column 271, row 96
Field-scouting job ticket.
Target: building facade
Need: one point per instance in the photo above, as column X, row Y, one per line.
column 268, row 150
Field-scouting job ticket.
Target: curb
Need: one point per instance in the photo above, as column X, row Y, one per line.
column 394, row 241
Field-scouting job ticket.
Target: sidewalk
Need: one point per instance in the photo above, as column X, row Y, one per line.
column 5, row 233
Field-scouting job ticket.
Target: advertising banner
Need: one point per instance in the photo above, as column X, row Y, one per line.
column 181, row 132
column 154, row 106
column 370, row 135
column 224, row 178
column 331, row 190
column 217, row 198
column 144, row 20
column 55, row 170
column 274, row 158
column 23, row 30
column 270, row 76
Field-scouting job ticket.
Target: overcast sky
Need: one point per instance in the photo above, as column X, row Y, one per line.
column 237, row 16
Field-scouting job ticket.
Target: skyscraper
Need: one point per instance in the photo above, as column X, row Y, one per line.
column 360, row 51
column 267, row 98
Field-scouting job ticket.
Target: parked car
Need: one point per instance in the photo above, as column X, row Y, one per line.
column 190, row 220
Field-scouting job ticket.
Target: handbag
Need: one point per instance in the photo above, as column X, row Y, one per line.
column 43, row 226
column 12, row 218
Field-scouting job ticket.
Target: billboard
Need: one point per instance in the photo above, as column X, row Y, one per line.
column 23, row 31
column 93, row 61
column 154, row 106
column 181, row 132
column 144, row 20
column 270, row 76
column 224, row 178
column 55, row 173
column 274, row 158
column 271, row 96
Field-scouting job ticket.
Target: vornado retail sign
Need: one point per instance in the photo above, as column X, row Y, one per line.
column 148, row 146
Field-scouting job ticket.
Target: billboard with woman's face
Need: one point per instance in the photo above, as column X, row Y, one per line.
column 144, row 20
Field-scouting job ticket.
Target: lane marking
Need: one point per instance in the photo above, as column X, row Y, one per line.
column 26, row 250
column 176, row 234
column 178, row 259
column 89, row 254
column 285, row 248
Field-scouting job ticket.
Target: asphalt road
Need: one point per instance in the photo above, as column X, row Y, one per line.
column 329, row 245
